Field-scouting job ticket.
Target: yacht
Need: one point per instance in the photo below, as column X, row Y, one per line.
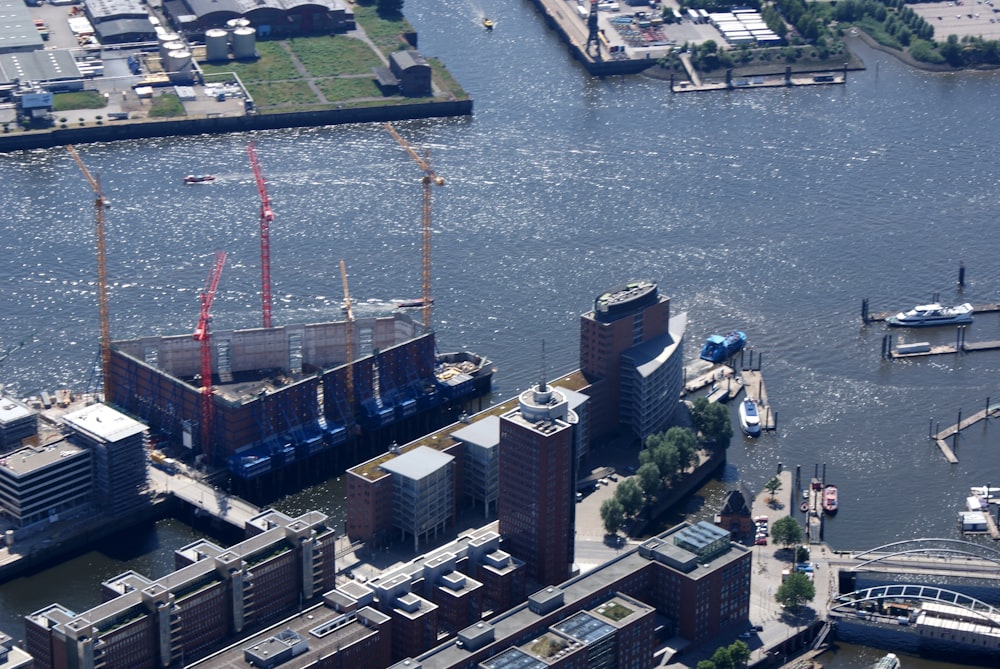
column 749, row 418
column 929, row 315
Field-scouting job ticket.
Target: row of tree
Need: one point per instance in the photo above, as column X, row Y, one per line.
column 666, row 456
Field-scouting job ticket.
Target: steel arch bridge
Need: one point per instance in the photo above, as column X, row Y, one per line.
column 928, row 547
column 847, row 604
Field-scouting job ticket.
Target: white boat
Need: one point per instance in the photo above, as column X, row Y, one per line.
column 985, row 491
column 929, row 315
column 890, row 661
column 749, row 417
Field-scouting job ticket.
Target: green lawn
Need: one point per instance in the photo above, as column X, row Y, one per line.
column 349, row 88
column 282, row 94
column 78, row 100
column 274, row 64
column 329, row 57
column 385, row 34
column 165, row 105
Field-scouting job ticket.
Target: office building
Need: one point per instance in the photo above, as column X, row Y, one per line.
column 631, row 352
column 537, row 483
column 117, row 446
column 39, row 484
column 18, row 422
column 423, row 492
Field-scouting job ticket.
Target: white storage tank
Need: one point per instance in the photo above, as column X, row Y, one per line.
column 177, row 61
column 216, row 45
column 167, row 47
column 244, row 43
column 167, row 36
column 233, row 24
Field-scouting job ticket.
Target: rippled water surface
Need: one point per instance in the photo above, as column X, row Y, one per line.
column 774, row 211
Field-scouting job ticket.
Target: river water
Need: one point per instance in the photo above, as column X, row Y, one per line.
column 771, row 211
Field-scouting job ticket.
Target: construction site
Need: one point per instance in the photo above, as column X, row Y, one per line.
column 278, row 407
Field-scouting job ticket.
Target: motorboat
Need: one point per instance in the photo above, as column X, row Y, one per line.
column 719, row 348
column 199, row 179
column 890, row 661
column 929, row 315
column 830, row 499
column 749, row 417
column 488, row 23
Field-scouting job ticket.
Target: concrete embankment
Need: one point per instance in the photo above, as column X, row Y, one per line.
column 142, row 129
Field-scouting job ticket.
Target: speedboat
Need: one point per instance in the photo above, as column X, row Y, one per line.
column 890, row 661
column 487, row 23
column 749, row 418
column 929, row 315
column 719, row 348
column 830, row 499
column 199, row 178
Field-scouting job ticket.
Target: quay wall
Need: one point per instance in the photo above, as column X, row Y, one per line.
column 682, row 489
column 142, row 129
column 597, row 68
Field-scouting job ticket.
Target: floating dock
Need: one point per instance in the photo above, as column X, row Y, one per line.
column 940, row 439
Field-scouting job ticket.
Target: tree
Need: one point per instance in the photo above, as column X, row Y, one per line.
column 786, row 531
column 705, row 664
column 649, row 479
column 795, row 591
column 740, row 652
column 390, row 8
column 802, row 554
column 711, row 419
column 612, row 515
column 722, row 659
column 629, row 495
column 773, row 486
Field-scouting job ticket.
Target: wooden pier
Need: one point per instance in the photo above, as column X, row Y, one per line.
column 882, row 316
column 952, row 431
column 713, row 375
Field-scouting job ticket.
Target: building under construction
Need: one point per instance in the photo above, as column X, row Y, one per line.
column 281, row 404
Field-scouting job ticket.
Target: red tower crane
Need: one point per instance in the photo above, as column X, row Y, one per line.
column 430, row 177
column 266, row 216
column 201, row 334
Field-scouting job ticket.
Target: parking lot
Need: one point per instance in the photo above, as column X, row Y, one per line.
column 965, row 18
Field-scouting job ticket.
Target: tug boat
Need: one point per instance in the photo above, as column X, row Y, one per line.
column 199, row 179
column 488, row 24
column 830, row 499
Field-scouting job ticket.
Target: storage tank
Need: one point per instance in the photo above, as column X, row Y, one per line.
column 177, row 61
column 216, row 45
column 233, row 24
column 167, row 47
column 244, row 43
column 167, row 36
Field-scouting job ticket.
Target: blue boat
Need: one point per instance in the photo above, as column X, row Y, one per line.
column 719, row 348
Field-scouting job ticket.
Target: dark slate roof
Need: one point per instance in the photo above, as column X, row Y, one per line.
column 735, row 504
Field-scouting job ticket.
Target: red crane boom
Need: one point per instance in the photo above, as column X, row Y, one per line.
column 201, row 334
column 266, row 216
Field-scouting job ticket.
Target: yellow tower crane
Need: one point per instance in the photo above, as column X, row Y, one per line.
column 429, row 178
column 348, row 344
column 100, row 202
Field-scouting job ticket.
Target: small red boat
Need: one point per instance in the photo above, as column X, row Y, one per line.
column 830, row 499
column 199, row 178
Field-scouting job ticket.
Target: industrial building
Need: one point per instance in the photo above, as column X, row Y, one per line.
column 408, row 73
column 632, row 354
column 268, row 18
column 215, row 595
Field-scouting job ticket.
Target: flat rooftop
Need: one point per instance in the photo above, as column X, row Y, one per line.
column 103, row 423
column 31, row 459
column 11, row 411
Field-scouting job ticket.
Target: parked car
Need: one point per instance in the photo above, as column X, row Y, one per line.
column 760, row 541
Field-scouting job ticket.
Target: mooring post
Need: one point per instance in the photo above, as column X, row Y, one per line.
column 864, row 310
column 930, row 428
column 961, row 274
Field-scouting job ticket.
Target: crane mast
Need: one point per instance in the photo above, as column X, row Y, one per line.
column 348, row 342
column 430, row 177
column 100, row 202
column 266, row 216
column 201, row 334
